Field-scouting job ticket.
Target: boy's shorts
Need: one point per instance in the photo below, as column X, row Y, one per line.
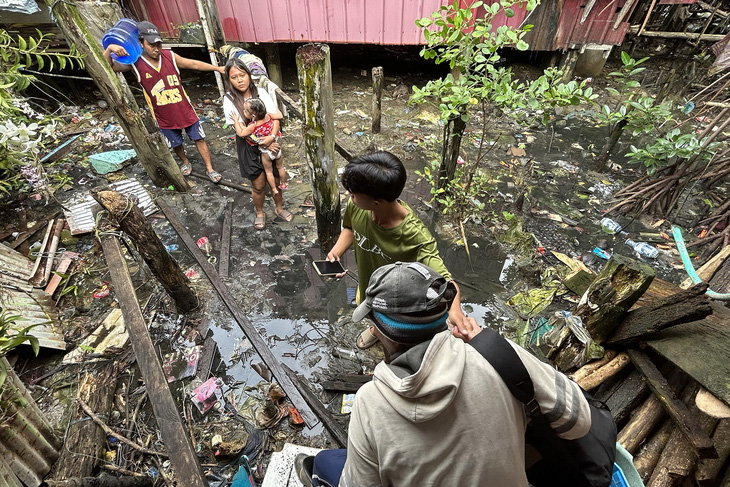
column 173, row 137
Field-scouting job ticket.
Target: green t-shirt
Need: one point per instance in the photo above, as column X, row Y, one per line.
column 376, row 246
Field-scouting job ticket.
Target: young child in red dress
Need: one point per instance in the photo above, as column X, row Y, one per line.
column 262, row 125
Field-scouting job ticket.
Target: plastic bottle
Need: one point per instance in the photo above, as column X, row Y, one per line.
column 610, row 226
column 643, row 249
column 125, row 34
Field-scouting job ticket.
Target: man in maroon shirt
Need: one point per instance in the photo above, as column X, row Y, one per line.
column 158, row 72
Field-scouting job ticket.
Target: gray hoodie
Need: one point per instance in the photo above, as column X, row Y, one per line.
column 440, row 415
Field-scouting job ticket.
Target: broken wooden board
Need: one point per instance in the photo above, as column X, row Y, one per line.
column 700, row 348
column 36, row 308
column 110, row 333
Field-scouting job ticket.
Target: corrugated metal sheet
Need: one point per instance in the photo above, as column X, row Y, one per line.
column 79, row 216
column 15, row 269
column 382, row 21
column 28, row 446
column 36, row 308
column 353, row 21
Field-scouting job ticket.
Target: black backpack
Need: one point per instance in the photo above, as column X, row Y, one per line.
column 584, row 462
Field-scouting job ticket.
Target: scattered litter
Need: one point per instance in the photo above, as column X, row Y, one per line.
column 102, row 292
column 348, row 400
column 294, row 416
column 172, row 247
column 204, row 244
column 516, row 151
column 208, row 395
column 601, row 253
column 182, row 363
column 110, row 161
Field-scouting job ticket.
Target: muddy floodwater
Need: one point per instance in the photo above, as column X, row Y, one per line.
column 543, row 195
column 305, row 319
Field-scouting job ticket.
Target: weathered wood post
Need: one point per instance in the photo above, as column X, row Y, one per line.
column 453, row 132
column 125, row 212
column 603, row 307
column 273, row 64
column 179, row 447
column 205, row 22
column 377, row 98
column 315, row 85
column 143, row 134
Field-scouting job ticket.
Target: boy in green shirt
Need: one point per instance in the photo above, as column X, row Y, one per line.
column 383, row 228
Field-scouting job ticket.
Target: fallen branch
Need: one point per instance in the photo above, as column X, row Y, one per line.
column 116, row 435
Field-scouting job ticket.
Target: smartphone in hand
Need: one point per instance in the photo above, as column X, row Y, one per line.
column 326, row 268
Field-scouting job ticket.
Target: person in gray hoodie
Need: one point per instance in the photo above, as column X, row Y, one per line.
column 436, row 412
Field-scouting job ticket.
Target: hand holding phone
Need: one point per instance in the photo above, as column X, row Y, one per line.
column 326, row 268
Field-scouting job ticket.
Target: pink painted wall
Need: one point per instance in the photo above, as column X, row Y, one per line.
column 390, row 22
column 335, row 21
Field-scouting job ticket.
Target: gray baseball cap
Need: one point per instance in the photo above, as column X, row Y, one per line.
column 405, row 288
column 149, row 31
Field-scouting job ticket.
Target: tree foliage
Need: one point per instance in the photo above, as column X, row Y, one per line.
column 23, row 129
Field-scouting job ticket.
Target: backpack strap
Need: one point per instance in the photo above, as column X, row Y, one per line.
column 500, row 354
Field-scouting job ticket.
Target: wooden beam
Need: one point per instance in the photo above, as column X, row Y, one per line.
column 177, row 442
column 30, row 232
column 339, row 385
column 682, row 307
column 676, row 35
column 338, row 432
column 679, row 412
column 243, row 322
column 222, row 182
column 225, row 256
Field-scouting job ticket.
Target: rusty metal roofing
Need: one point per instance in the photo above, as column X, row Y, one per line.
column 81, row 220
column 35, row 308
column 15, row 269
column 28, row 446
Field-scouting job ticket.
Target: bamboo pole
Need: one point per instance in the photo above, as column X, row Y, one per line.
column 315, row 85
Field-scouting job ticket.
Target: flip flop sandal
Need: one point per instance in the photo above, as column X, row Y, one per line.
column 186, row 169
column 214, row 176
column 283, row 186
column 285, row 215
column 259, row 222
column 366, row 339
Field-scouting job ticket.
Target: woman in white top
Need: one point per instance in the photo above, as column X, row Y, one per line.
column 239, row 88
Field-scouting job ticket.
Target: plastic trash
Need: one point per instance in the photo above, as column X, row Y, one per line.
column 204, row 245
column 562, row 323
column 110, row 161
column 610, row 226
column 601, row 253
column 125, row 34
column 643, row 249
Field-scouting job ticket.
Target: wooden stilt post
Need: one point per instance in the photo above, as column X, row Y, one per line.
column 132, row 221
column 315, row 85
column 177, row 442
column 143, row 134
column 453, row 132
column 273, row 64
column 377, row 98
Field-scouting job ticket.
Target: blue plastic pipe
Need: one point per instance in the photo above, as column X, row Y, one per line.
column 677, row 234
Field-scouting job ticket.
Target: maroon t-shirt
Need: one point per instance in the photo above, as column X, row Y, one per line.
column 164, row 92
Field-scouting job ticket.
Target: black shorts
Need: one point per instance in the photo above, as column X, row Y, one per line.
column 249, row 159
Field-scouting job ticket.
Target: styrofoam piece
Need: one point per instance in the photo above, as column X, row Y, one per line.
column 81, row 220
column 281, row 467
